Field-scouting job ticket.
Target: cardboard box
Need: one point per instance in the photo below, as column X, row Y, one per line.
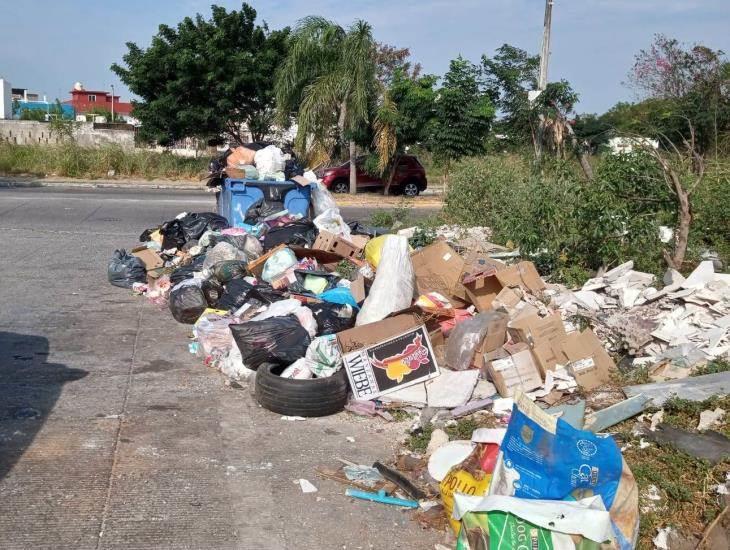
column 482, row 289
column 357, row 288
column 494, row 340
column 392, row 364
column 365, row 335
column 359, row 241
column 152, row 261
column 589, row 362
column 438, row 344
column 534, row 330
column 330, row 242
column 548, row 354
column 439, row 269
column 516, row 371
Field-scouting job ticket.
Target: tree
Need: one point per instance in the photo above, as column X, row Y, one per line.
column 686, row 90
column 463, row 114
column 206, row 77
column 509, row 76
column 390, row 60
column 409, row 110
column 328, row 83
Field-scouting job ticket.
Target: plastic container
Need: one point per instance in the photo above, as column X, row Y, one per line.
column 237, row 196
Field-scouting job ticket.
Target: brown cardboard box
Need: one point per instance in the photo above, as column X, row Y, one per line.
column 334, row 243
column 532, row 329
column 482, row 290
column 517, row 371
column 548, row 354
column 366, row 335
column 152, row 261
column 496, row 335
column 357, row 288
column 439, row 269
column 589, row 362
column 359, row 241
column 438, row 344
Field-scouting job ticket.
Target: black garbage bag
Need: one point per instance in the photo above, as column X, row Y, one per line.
column 234, row 294
column 299, row 233
column 172, row 234
column 357, row 228
column 187, row 271
column 279, row 340
column 197, row 223
column 187, row 301
column 124, row 270
column 297, row 286
column 228, row 270
column 332, row 318
column 212, row 290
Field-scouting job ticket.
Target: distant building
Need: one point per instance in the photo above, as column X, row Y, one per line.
column 619, row 145
column 87, row 101
column 6, row 101
column 22, row 94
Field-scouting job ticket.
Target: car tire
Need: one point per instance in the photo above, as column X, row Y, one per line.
column 341, row 186
column 411, row 189
column 307, row 398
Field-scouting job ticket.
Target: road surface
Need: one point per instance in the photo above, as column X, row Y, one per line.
column 113, row 436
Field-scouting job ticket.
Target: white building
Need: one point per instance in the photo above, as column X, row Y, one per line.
column 6, row 102
column 621, row 145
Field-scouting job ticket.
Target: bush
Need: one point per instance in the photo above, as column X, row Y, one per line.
column 570, row 226
column 71, row 161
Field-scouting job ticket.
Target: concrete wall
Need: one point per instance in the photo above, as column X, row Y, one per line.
column 6, row 102
column 26, row 132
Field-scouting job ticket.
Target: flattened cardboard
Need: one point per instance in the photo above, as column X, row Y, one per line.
column 357, row 288
column 152, row 261
column 439, row 268
column 517, row 371
column 586, row 345
column 548, row 354
column 396, row 362
column 366, row 335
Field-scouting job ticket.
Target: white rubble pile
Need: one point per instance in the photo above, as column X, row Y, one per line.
column 686, row 322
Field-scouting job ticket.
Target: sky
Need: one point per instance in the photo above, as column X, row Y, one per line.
column 59, row 42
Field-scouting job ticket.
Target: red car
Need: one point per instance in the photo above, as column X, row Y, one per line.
column 410, row 177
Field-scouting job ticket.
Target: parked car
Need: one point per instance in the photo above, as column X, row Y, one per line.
column 410, row 177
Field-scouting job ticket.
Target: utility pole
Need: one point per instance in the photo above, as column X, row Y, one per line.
column 112, row 120
column 545, row 54
column 543, row 77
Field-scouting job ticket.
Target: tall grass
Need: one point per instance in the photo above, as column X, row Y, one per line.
column 71, row 161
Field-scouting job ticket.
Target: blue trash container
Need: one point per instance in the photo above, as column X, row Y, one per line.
column 238, row 196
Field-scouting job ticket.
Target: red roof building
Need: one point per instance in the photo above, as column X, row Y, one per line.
column 85, row 101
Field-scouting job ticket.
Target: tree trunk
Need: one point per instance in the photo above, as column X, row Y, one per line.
column 585, row 165
column 684, row 213
column 353, row 168
column 391, row 176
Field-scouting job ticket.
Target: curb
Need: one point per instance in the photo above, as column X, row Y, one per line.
column 101, row 184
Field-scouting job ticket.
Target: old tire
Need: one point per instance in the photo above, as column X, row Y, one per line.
column 313, row 397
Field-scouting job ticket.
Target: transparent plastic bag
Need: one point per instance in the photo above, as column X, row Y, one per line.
column 465, row 338
column 331, row 221
column 223, row 252
column 277, row 264
column 322, row 199
column 394, row 283
column 324, row 356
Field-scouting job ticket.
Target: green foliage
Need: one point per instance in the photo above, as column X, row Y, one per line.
column 205, row 77
column 37, row 115
column 415, row 101
column 418, row 442
column 570, row 227
column 713, row 367
column 70, row 160
column 328, row 81
column 463, row 113
column 422, row 237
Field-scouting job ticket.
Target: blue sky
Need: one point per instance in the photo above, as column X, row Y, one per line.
column 53, row 44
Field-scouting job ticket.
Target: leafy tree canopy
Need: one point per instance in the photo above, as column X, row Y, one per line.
column 206, row 77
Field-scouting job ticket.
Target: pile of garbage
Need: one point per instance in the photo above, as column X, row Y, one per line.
column 325, row 316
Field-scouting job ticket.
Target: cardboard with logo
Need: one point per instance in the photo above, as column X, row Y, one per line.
column 482, row 289
column 513, row 370
column 392, row 364
column 439, row 268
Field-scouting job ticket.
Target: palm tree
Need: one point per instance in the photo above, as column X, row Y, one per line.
column 328, row 82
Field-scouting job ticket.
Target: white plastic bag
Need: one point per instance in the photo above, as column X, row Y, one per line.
column 324, row 355
column 394, row 283
column 322, row 199
column 331, row 221
column 277, row 264
column 269, row 160
column 298, row 370
column 232, row 365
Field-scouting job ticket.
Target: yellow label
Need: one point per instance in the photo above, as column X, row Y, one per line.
column 460, row 481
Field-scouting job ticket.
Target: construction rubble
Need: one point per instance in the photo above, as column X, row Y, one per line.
column 321, row 316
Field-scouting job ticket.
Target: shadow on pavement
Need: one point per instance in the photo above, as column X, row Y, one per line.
column 29, row 389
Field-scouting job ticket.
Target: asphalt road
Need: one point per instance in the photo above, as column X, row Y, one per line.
column 113, row 436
